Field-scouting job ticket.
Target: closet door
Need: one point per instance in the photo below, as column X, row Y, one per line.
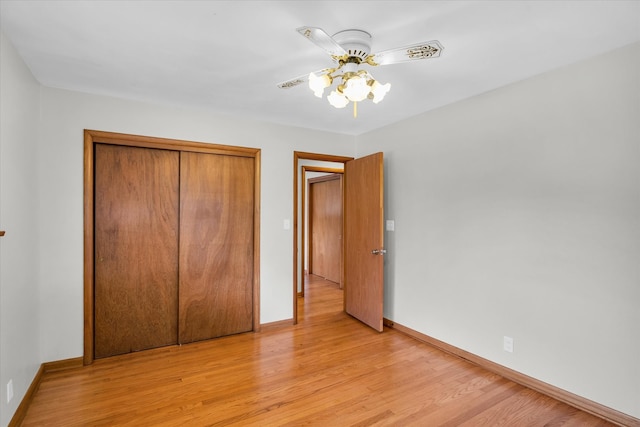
column 136, row 248
column 216, row 245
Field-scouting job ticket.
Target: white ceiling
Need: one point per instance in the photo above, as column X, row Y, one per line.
column 228, row 56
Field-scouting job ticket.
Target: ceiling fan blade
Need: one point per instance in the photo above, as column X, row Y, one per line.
column 296, row 81
column 293, row 82
column 424, row 50
column 322, row 39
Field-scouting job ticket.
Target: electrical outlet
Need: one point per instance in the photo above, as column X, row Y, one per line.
column 507, row 344
column 9, row 391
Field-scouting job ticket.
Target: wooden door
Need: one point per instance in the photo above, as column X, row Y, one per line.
column 364, row 239
column 325, row 227
column 216, row 245
column 136, row 249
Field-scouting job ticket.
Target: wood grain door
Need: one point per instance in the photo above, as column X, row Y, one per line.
column 216, row 245
column 136, row 249
column 364, row 240
column 325, row 227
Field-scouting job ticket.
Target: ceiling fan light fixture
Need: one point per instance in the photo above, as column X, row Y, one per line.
column 351, row 49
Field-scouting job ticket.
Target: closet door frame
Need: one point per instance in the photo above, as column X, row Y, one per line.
column 93, row 137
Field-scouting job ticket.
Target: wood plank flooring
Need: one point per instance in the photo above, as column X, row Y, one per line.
column 329, row 370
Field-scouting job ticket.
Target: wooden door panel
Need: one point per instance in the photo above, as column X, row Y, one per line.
column 216, row 246
column 136, row 249
column 364, row 279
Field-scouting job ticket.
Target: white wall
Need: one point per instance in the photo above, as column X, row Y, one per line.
column 19, row 316
column 518, row 213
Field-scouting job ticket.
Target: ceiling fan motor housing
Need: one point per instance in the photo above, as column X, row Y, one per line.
column 357, row 43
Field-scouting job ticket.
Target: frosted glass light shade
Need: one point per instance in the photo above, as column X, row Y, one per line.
column 318, row 83
column 379, row 91
column 337, row 99
column 356, row 89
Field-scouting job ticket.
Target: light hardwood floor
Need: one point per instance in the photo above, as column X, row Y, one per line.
column 329, row 370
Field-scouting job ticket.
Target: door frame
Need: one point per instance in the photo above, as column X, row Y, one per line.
column 297, row 171
column 92, row 137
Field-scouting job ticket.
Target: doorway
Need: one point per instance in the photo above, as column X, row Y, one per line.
column 300, row 170
column 323, row 251
column 363, row 235
column 311, row 174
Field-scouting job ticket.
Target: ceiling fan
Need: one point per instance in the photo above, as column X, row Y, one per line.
column 349, row 50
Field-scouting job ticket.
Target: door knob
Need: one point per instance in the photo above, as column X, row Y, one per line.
column 379, row 251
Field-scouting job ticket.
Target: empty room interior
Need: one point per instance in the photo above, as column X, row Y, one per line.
column 320, row 213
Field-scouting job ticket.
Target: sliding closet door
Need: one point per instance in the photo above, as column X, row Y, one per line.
column 216, row 245
column 136, row 248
